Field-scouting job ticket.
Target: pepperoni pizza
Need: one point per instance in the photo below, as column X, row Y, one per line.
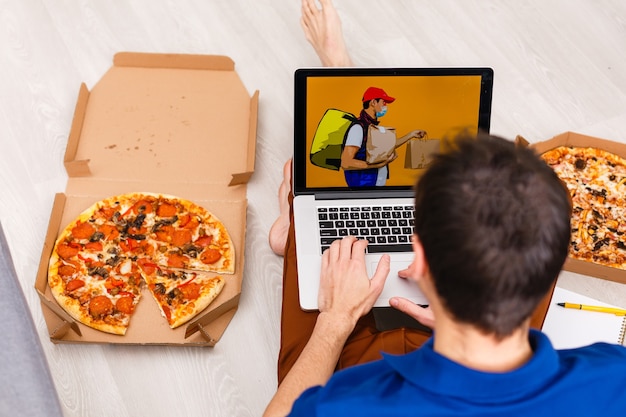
column 104, row 257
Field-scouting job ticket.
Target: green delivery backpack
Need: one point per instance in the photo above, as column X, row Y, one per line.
column 329, row 138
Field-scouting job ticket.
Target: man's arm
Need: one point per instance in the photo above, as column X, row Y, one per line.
column 346, row 294
column 315, row 364
column 348, row 161
column 417, row 134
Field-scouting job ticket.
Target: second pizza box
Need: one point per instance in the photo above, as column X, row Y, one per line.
column 579, row 140
column 182, row 125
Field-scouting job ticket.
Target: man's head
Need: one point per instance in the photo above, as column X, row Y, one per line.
column 493, row 221
column 375, row 96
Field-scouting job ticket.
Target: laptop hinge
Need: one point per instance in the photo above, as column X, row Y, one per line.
column 354, row 195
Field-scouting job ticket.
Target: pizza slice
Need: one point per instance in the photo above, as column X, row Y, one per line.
column 189, row 237
column 182, row 294
column 99, row 295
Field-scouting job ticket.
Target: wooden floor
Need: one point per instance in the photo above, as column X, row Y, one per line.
column 559, row 66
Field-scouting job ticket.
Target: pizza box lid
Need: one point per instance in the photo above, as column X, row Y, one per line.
column 579, row 140
column 175, row 124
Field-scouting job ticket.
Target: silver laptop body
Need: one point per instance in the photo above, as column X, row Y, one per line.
column 328, row 204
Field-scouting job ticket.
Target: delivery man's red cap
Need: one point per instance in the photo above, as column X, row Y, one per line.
column 377, row 93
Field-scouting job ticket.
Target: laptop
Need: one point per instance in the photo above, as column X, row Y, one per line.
column 328, row 204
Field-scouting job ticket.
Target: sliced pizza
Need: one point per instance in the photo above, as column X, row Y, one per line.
column 102, row 259
column 182, row 294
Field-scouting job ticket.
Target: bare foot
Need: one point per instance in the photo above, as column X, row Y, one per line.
column 322, row 28
column 280, row 228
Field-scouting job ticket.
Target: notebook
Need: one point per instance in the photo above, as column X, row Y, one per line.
column 570, row 328
column 376, row 205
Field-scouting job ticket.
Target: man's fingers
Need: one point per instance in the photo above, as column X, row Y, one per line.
column 381, row 273
column 343, row 250
column 404, row 273
column 421, row 314
column 336, row 250
column 347, row 245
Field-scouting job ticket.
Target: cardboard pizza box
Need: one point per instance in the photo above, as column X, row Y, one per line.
column 576, row 139
column 173, row 124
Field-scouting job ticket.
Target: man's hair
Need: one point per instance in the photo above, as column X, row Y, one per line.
column 494, row 222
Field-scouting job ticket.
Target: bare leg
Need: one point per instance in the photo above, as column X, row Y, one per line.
column 280, row 228
column 322, row 28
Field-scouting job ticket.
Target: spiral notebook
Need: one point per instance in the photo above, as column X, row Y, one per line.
column 569, row 328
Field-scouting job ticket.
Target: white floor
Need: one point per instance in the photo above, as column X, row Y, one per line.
column 560, row 65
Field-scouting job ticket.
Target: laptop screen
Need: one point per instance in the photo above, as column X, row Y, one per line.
column 363, row 129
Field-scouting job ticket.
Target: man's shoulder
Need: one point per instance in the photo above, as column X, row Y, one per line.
column 597, row 352
column 596, row 362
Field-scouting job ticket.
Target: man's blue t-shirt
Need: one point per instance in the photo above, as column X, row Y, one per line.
column 589, row 381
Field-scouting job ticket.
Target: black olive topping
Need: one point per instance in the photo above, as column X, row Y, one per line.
column 580, row 163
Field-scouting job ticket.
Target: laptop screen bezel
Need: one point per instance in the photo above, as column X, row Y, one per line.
column 301, row 153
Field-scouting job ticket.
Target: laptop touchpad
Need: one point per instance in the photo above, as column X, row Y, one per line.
column 396, row 286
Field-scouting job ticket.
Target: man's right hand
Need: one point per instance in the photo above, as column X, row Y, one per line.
column 346, row 290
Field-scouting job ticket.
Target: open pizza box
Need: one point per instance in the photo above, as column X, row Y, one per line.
column 579, row 140
column 182, row 125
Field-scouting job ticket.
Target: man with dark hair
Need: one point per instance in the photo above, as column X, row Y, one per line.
column 491, row 235
column 497, row 216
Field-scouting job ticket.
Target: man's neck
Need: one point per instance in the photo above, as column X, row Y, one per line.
column 474, row 349
column 371, row 112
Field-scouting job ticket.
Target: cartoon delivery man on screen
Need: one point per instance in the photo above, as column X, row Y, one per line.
column 358, row 171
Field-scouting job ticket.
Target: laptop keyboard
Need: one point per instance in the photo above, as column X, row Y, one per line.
column 386, row 228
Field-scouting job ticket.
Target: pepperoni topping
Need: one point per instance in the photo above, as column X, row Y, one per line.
column 190, row 291
column 83, row 230
column 94, row 246
column 100, row 306
column 176, row 260
column 181, row 237
column 166, row 210
column 204, row 241
column 109, row 231
column 141, row 206
column 66, row 270
column 210, row 256
column 147, row 265
column 125, row 305
column 74, row 285
column 66, row 250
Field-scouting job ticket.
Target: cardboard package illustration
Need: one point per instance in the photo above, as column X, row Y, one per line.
column 419, row 152
column 381, row 143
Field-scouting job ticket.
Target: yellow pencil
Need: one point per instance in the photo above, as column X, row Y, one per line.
column 611, row 310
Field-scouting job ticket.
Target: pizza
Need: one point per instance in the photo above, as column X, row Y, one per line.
column 109, row 253
column 596, row 180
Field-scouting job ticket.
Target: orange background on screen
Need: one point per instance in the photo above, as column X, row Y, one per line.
column 440, row 105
